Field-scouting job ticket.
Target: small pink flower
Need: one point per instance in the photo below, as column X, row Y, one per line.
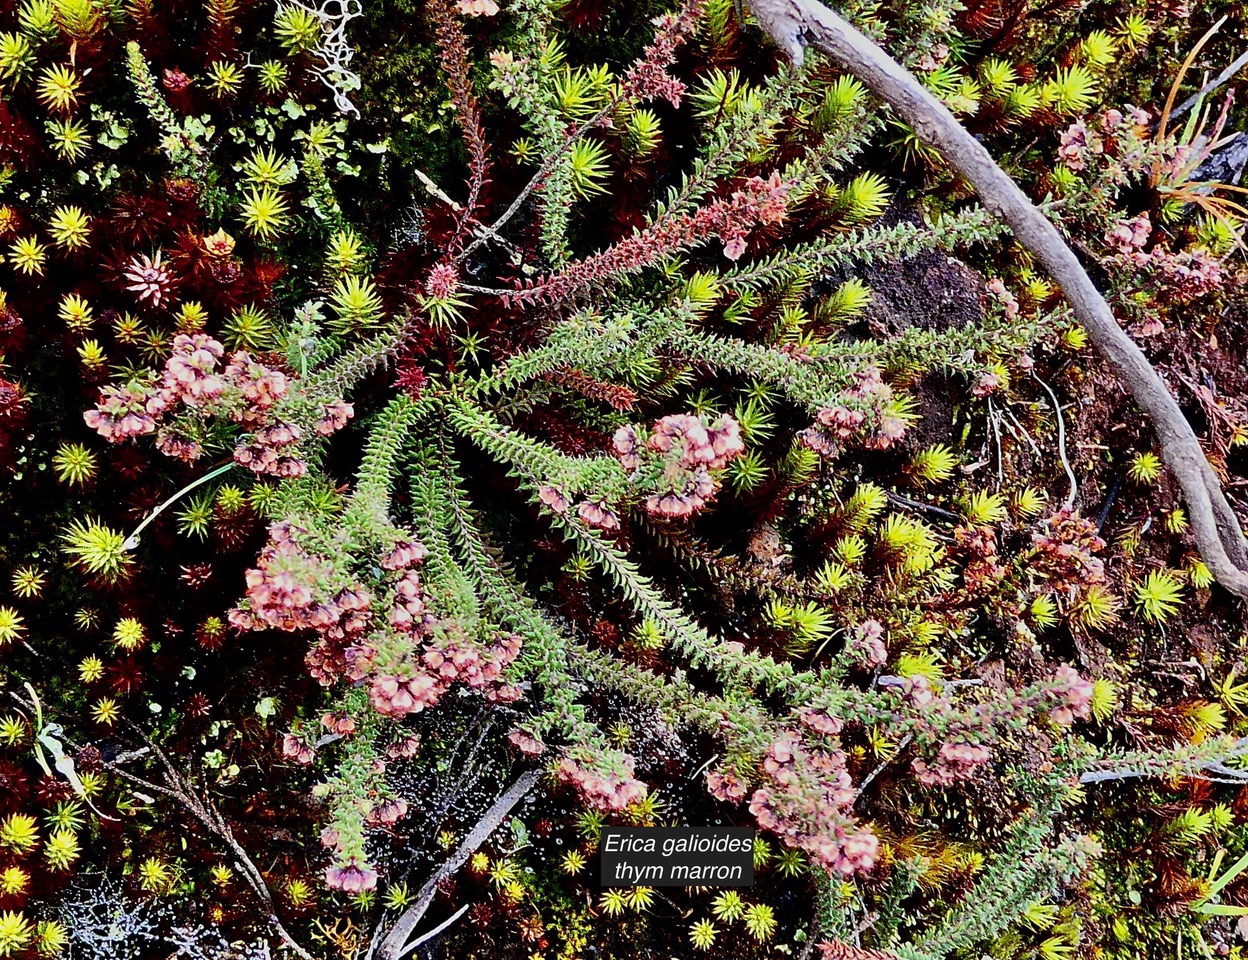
column 351, row 878
column 478, row 8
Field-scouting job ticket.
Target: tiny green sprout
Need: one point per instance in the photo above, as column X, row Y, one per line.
column 15, row 933
column 298, row 29
column 12, row 730
column 620, row 733
column 799, row 464
column 224, row 79
column 106, row 712
column 17, row 58
column 58, row 88
column 702, row 290
column 982, row 508
column 1134, row 30
column 67, row 815
column 127, row 329
column 1098, row 50
column 1159, row 596
column 1040, row 916
column 92, row 782
column 613, row 902
column 51, row 937
column 573, row 862
column 70, row 140
column 191, row 317
column 643, row 133
column 273, row 75
column 640, row 898
column 12, row 626
column 1062, row 180
column 38, row 18
column 790, row 863
column 762, row 852
column 1074, row 338
column 195, row 519
column 589, row 167
column 1043, row 612
column 648, row 635
column 760, row 922
column 345, row 253
column 28, row 255
column 268, row 168
column 1145, row 468
column 13, row 880
column 264, row 212
column 998, row 76
column 28, row 582
column 864, row 198
column 230, row 499
column 832, row 577
column 1022, row 102
column 61, row 849
column 863, row 506
column 398, row 897
column 524, row 151
column 1030, row 501
column 850, row 550
column 1071, row 91
column 645, row 810
column 220, row 875
column 1095, row 609
column 933, row 464
column 129, row 634
column 19, row 833
column 92, row 354
column 1176, row 520
column 844, row 303
column 90, row 669
column 1104, row 699
column 364, row 900
column 249, row 328
column 702, row 935
column 1198, row 573
column 96, row 549
column 357, row 304
column 1221, row 817
column 446, row 839
column 298, row 892
column 728, row 906
column 589, row 824
column 154, row 875
column 70, row 227
column 747, row 472
column 75, row 312
column 479, row 863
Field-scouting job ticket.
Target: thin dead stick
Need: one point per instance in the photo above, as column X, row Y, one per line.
column 393, row 947
column 1219, row 536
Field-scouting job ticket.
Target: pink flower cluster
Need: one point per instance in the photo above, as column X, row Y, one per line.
column 605, row 782
column 675, row 463
column 954, row 762
column 758, row 201
column 648, row 77
column 245, row 391
column 444, row 661
column 286, row 590
column 869, row 643
column 834, row 426
column 351, row 877
column 1004, row 296
column 806, row 801
column 1076, row 693
column 1066, row 553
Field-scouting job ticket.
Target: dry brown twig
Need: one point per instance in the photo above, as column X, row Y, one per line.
column 795, row 23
